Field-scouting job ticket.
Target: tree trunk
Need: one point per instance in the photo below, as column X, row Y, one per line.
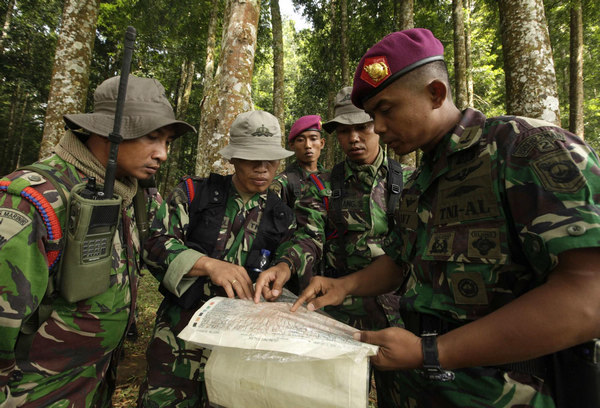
column 404, row 14
column 70, row 75
column 576, row 70
column 278, row 67
column 344, row 54
column 209, row 66
column 468, row 58
column 6, row 26
column 229, row 94
column 460, row 55
column 531, row 88
column 330, row 146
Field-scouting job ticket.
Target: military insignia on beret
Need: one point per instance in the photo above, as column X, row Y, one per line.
column 375, row 70
column 262, row 131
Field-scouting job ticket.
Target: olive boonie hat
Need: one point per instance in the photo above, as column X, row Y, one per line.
column 146, row 108
column 395, row 55
column 255, row 135
column 345, row 113
column 309, row 122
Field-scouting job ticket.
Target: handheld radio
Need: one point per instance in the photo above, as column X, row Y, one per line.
column 94, row 213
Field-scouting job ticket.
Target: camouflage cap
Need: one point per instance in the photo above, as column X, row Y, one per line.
column 146, row 108
column 345, row 113
column 255, row 135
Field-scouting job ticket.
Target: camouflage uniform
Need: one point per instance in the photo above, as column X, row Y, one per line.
column 282, row 185
column 481, row 223
column 175, row 376
column 364, row 208
column 300, row 252
column 73, row 357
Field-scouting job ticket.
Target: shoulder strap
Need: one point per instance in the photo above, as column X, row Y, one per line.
column 294, row 183
column 320, row 186
column 337, row 195
column 210, row 192
column 395, row 184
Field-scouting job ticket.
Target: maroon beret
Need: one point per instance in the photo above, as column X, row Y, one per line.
column 310, row 122
column 395, row 55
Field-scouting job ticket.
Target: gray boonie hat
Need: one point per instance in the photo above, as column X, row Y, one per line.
column 255, row 135
column 146, row 108
column 345, row 113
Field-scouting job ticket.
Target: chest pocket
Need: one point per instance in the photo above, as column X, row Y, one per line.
column 468, row 224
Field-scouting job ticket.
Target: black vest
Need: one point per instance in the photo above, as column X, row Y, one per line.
column 206, row 213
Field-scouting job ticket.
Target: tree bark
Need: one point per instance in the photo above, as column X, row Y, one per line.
column 278, row 67
column 404, row 14
column 6, row 26
column 531, row 88
column 209, row 66
column 344, row 53
column 460, row 55
column 70, row 75
column 229, row 94
column 468, row 59
column 331, row 145
column 576, row 70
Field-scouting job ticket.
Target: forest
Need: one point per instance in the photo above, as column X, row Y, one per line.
column 219, row 58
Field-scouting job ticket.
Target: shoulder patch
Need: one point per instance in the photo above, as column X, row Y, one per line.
column 13, row 222
column 558, row 173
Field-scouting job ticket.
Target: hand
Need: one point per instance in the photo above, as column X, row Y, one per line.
column 399, row 349
column 321, row 292
column 231, row 277
column 270, row 282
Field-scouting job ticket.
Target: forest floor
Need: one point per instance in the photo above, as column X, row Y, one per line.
column 132, row 367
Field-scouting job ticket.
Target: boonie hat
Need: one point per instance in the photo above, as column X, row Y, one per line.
column 309, row 122
column 345, row 113
column 395, row 55
column 146, row 108
column 255, row 135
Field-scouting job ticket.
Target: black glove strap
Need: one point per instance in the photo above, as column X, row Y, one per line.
column 431, row 363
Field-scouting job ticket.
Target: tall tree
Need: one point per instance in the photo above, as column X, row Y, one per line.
column 531, row 88
column 344, row 54
column 230, row 92
column 6, row 26
column 468, row 55
column 460, row 55
column 576, row 69
column 404, row 14
column 209, row 66
column 278, row 66
column 70, row 76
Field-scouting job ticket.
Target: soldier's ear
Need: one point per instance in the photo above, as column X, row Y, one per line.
column 437, row 92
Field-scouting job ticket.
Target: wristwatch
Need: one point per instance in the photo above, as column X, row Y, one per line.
column 431, row 363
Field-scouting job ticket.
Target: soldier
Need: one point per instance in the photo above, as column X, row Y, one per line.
column 365, row 190
column 207, row 240
column 306, row 140
column 70, row 358
column 499, row 230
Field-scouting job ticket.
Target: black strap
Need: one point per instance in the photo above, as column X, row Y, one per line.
column 395, row 184
column 335, row 214
column 294, row 182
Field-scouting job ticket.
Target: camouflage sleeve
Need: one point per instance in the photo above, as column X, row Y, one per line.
column 165, row 252
column 23, row 275
column 552, row 189
column 305, row 248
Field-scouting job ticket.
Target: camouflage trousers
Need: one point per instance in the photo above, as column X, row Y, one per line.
column 473, row 387
column 175, row 368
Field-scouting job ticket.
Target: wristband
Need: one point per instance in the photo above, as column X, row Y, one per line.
column 431, row 363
